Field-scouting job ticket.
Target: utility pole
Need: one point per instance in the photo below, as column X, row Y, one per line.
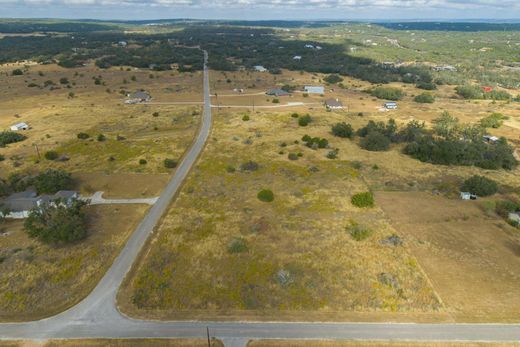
column 207, row 332
column 37, row 150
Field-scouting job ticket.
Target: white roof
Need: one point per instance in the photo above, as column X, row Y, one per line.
column 20, row 125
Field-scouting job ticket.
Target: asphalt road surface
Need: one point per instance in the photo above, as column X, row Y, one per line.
column 97, row 316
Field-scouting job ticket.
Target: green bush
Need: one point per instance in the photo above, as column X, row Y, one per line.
column 387, row 93
column 480, row 185
column 249, row 166
column 426, row 85
column 424, row 98
column 470, row 92
column 64, row 80
column 143, row 162
column 504, row 207
column 342, row 130
column 333, row 154
column 237, row 245
column 51, row 155
column 52, row 181
column 83, row 136
column 17, row 72
column 293, row 156
column 295, row 115
column 57, row 223
column 358, row 232
column 2, row 158
column 315, row 142
column 276, row 101
column 101, row 138
column 170, row 163
column 361, row 200
column 375, row 142
column 265, row 195
column 155, row 114
column 333, row 79
column 494, row 120
column 303, row 121
column 7, row 137
column 245, row 118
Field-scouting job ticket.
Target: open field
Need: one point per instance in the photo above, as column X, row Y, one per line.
column 330, row 343
column 472, row 259
column 114, row 343
column 133, row 132
column 39, row 280
column 223, row 254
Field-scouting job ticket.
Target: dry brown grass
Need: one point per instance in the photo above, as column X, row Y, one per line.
column 39, row 280
column 330, row 343
column 472, row 259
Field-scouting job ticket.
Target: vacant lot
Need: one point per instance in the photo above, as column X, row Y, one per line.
column 39, row 280
column 472, row 259
column 330, row 343
column 221, row 252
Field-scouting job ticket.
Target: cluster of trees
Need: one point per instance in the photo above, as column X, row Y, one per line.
column 475, row 92
column 424, row 98
column 315, row 142
column 494, row 120
column 387, row 93
column 479, row 185
column 48, row 182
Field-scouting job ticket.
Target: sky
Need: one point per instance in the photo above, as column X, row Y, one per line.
column 262, row 9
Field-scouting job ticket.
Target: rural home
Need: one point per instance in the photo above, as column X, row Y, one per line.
column 277, row 92
column 297, row 57
column 468, row 196
column 19, row 205
column 490, row 139
column 314, row 89
column 333, row 104
column 138, row 97
column 390, row 105
column 260, row 68
column 20, row 126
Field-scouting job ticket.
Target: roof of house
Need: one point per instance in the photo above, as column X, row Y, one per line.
column 66, row 194
column 314, row 89
column 391, row 103
column 277, row 92
column 21, row 125
column 140, row 95
column 22, row 195
column 26, row 201
column 333, row 103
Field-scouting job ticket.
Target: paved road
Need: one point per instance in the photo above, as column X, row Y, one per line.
column 96, row 316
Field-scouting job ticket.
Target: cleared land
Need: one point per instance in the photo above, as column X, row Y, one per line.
column 472, row 259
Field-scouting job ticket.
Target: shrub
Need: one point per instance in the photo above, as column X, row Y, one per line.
column 170, row 163
column 497, row 95
column 143, row 162
column 2, row 158
column 375, row 141
column 7, row 137
column 361, row 200
column 387, row 93
column 57, row 223
column 504, row 207
column 51, row 155
column 265, row 195
column 295, row 115
column 52, row 181
column 83, row 136
column 101, row 138
column 494, row 120
column 470, row 92
column 424, row 98
column 333, row 79
column 249, row 166
column 333, row 154
column 155, row 114
column 237, row 245
column 359, row 232
column 17, row 72
column 276, row 101
column 64, row 80
column 230, row 169
column 303, row 121
column 480, row 185
column 315, row 142
column 292, row 156
column 426, row 85
column 342, row 130
column 245, row 118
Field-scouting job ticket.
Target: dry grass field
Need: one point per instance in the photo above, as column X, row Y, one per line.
column 330, row 343
column 223, row 253
column 472, row 259
column 114, row 343
column 39, row 280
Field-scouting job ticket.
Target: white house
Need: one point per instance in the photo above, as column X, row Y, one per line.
column 390, row 105
column 122, row 43
column 468, row 196
column 138, row 97
column 20, row 126
column 297, row 57
column 309, row 46
column 20, row 205
column 260, row 68
column 314, row 89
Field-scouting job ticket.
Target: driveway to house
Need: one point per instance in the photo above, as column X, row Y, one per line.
column 98, row 317
column 97, row 199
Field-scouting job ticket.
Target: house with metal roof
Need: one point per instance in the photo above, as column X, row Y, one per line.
column 277, row 92
column 333, row 104
column 314, row 89
column 138, row 97
column 19, row 126
column 20, row 205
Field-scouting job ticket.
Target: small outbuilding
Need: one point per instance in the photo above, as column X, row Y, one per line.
column 468, row 196
column 138, row 97
column 333, row 104
column 259, row 68
column 314, row 89
column 490, row 139
column 297, row 57
column 20, row 126
column 390, row 105
column 514, row 217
